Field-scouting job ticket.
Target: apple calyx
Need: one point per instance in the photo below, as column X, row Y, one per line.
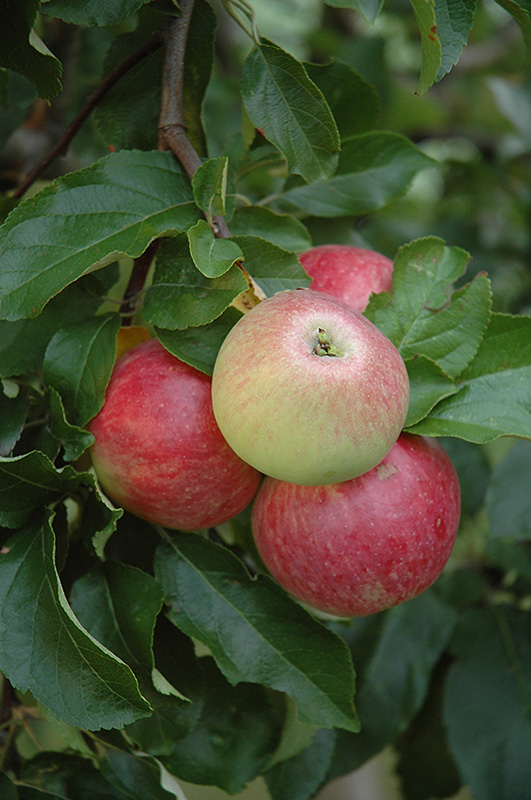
column 324, row 347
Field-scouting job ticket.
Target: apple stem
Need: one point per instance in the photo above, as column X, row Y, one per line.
column 324, row 347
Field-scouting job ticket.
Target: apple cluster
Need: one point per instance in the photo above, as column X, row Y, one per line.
column 303, row 417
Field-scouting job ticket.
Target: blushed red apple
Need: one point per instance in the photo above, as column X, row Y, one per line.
column 158, row 452
column 349, row 273
column 355, row 548
column 307, row 390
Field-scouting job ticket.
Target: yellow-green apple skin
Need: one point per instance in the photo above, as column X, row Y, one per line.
column 306, row 390
column 365, row 545
column 349, row 273
column 158, row 451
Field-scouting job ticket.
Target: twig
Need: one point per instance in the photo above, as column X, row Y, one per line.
column 95, row 98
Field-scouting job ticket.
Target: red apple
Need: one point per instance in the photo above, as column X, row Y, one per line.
column 158, row 451
column 309, row 391
column 348, row 273
column 355, row 548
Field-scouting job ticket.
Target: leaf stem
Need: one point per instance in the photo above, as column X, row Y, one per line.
column 152, row 44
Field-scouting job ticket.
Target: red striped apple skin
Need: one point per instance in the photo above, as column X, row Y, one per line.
column 355, row 548
column 158, row 451
column 349, row 273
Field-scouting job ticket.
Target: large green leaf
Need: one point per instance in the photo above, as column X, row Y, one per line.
column 212, row 256
column 373, row 169
column 254, row 631
column 521, row 12
column 116, row 206
column 508, row 498
column 424, row 11
column 137, row 776
column 181, row 296
column 454, row 21
column 283, row 230
column 273, row 268
column 291, row 111
column 487, row 701
column 494, row 398
column 78, row 363
column 395, row 654
column 21, row 49
column 299, row 777
column 44, row 648
column 97, row 12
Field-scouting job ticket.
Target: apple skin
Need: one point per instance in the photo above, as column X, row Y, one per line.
column 349, row 273
column 301, row 417
column 158, row 452
column 359, row 547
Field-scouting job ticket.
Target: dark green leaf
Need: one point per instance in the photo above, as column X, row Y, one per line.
column 508, row 498
column 181, row 296
column 13, row 411
column 428, row 383
column 373, row 170
column 78, row 363
column 300, row 777
column 291, row 111
column 353, row 102
column 431, row 45
column 254, row 631
column 44, row 649
column 21, row 49
column 281, row 229
column 234, row 738
column 116, row 206
column 472, row 467
column 454, row 21
column 16, row 96
column 487, row 700
column 75, row 440
column 396, row 654
column 97, row 12
column 199, row 346
column 137, row 776
column 495, row 395
column 369, row 8
column 98, row 522
column 273, row 268
column 213, row 257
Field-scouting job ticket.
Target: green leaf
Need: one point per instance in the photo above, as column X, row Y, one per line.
column 368, row 8
column 522, row 15
column 98, row 521
column 22, row 51
column 354, row 103
column 254, row 631
column 494, row 398
column 44, row 649
column 423, row 317
column 454, row 21
column 281, row 229
column 97, row 12
column 17, row 94
column 428, row 383
column 23, row 342
column 181, row 296
column 137, row 776
column 300, row 777
column 508, row 498
column 291, row 111
column 213, row 257
column 116, row 206
column 199, row 346
column 486, row 708
column 78, row 363
column 234, row 738
column 209, row 185
column 396, row 653
column 75, row 440
column 374, row 169
column 13, row 411
column 424, row 11
column 31, row 480
column 273, row 268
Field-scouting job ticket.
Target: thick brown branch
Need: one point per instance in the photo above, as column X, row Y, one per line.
column 95, row 98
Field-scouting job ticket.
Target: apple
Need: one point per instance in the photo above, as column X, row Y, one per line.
column 348, row 273
column 306, row 390
column 158, row 451
column 354, row 548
